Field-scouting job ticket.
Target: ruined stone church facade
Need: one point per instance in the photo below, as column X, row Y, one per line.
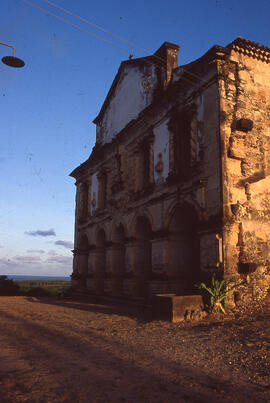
column 177, row 186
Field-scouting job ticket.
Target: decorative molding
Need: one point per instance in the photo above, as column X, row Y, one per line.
column 251, row 49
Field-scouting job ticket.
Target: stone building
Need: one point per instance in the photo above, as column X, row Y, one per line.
column 177, row 185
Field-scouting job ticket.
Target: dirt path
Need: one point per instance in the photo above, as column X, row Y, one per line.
column 66, row 351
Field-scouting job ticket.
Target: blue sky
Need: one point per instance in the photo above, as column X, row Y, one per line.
column 47, row 107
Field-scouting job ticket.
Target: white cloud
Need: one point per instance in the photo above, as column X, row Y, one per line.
column 60, row 259
column 26, row 259
column 52, row 252
column 19, row 260
column 4, row 261
column 54, row 265
column 35, row 251
column 39, row 232
column 66, row 244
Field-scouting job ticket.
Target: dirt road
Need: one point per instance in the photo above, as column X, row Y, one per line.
column 66, row 351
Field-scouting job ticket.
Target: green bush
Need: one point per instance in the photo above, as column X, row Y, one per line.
column 218, row 292
column 38, row 288
column 38, row 292
column 8, row 287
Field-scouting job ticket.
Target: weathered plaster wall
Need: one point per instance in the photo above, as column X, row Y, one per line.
column 245, row 91
column 133, row 93
column 161, row 151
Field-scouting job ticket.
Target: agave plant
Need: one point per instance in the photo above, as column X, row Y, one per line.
column 219, row 290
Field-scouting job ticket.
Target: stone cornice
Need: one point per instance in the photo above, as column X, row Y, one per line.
column 251, row 49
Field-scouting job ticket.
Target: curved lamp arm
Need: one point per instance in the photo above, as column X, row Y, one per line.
column 5, row 44
column 12, row 61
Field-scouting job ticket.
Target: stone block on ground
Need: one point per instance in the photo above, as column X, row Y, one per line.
column 173, row 308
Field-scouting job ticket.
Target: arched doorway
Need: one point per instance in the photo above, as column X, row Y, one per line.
column 118, row 255
column 142, row 256
column 183, row 259
column 100, row 261
column 82, row 256
column 117, row 260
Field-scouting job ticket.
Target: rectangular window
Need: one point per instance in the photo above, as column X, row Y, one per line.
column 143, row 166
column 102, row 190
column 185, row 143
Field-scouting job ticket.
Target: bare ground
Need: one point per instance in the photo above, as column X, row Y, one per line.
column 67, row 351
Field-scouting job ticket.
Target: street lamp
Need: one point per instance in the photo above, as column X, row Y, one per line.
column 12, row 61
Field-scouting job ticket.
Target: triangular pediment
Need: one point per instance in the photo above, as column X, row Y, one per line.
column 132, row 91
